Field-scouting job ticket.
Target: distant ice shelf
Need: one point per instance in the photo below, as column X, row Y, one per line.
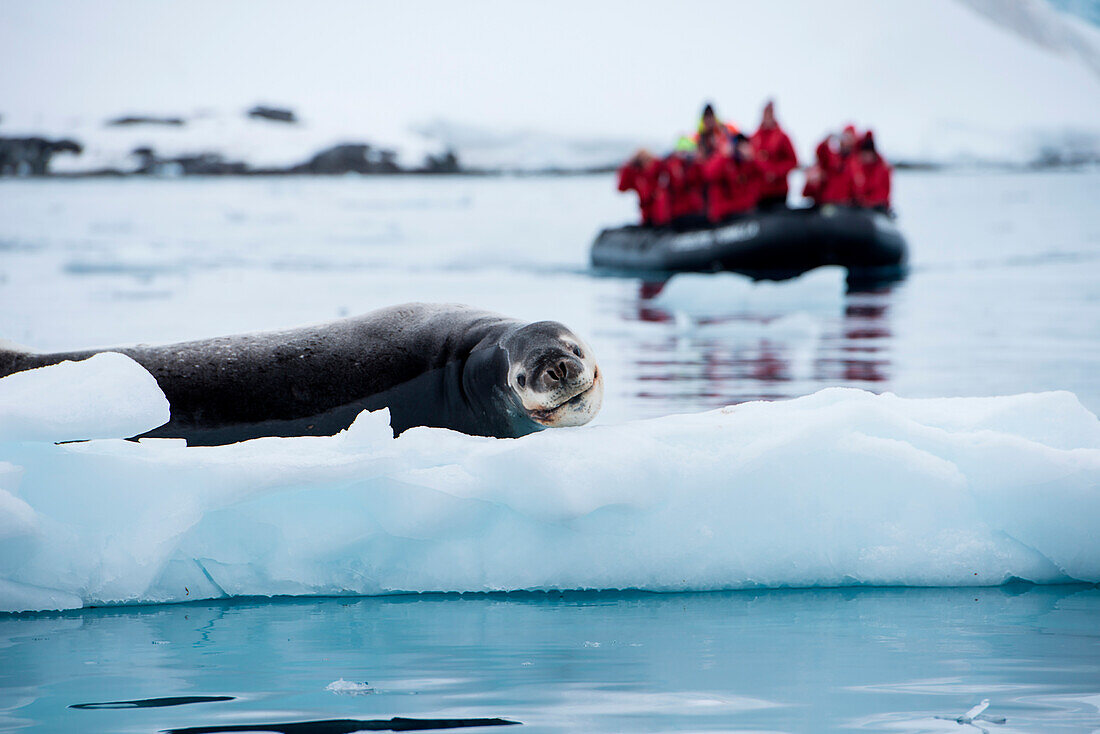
column 841, row 487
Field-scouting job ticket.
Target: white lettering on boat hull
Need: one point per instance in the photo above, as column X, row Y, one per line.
column 729, row 234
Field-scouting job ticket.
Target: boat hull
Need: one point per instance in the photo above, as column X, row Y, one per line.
column 778, row 243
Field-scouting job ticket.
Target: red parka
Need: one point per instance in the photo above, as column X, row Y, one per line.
column 645, row 179
column 776, row 158
column 684, row 178
column 732, row 186
column 835, row 186
column 870, row 182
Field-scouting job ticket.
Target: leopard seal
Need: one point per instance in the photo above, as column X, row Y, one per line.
column 443, row 365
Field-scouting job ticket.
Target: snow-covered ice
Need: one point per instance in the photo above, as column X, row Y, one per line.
column 107, row 396
column 840, row 487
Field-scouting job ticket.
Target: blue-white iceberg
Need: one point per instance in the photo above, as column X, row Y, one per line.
column 837, row 488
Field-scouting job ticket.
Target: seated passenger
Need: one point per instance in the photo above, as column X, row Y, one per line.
column 684, row 179
column 776, row 157
column 870, row 176
column 829, row 180
column 642, row 174
column 750, row 177
column 733, row 181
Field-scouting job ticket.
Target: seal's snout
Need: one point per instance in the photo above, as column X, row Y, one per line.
column 559, row 373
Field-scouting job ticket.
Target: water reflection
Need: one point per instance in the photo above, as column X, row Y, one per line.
column 862, row 343
column 759, row 353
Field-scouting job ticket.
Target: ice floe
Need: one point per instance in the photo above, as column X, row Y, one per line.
column 841, row 487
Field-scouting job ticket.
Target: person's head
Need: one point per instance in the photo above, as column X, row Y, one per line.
column 848, row 139
column 710, row 118
column 867, row 152
column 643, row 157
column 742, row 146
column 768, row 120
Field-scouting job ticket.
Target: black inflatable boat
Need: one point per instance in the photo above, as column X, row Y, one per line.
column 778, row 243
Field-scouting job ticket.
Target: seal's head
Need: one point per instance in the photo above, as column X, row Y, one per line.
column 553, row 375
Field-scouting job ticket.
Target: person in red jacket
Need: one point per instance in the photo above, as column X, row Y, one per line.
column 829, row 180
column 643, row 174
column 734, row 181
column 776, row 158
column 750, row 177
column 870, row 176
column 684, row 179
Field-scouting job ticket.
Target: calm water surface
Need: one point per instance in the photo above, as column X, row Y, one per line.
column 814, row 660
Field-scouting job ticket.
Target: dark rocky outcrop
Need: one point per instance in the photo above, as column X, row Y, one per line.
column 145, row 120
column 31, row 156
column 276, row 114
column 446, row 162
column 209, row 164
column 351, row 158
column 200, row 164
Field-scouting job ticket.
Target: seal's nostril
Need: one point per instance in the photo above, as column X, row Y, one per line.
column 554, row 374
column 550, row 377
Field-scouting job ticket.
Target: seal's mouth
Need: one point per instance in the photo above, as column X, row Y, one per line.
column 579, row 399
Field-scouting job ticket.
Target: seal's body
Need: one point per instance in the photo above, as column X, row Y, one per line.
column 438, row 365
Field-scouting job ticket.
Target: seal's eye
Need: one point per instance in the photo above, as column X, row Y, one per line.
column 577, row 351
column 522, row 380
